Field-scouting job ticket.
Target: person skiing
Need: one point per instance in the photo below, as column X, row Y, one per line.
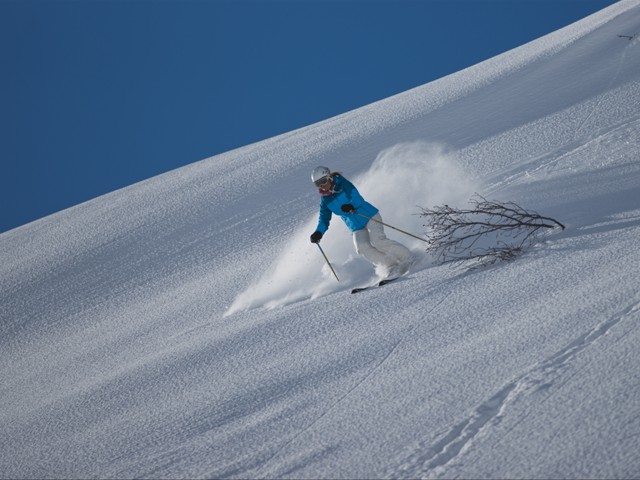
column 337, row 195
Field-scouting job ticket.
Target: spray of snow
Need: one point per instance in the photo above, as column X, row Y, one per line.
column 402, row 179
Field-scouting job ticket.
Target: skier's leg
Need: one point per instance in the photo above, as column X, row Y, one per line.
column 400, row 255
column 382, row 262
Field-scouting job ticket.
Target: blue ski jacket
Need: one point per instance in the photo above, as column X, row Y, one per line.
column 344, row 193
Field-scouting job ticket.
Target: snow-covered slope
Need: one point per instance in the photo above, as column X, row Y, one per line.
column 185, row 327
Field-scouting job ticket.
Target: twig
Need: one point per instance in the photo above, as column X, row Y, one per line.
column 506, row 229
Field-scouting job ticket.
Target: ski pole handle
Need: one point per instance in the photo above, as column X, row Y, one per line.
column 391, row 226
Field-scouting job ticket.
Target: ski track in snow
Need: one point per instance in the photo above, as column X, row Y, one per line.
column 596, row 107
column 366, row 377
column 432, row 459
column 549, row 162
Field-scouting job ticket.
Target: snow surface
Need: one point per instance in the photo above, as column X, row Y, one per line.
column 185, row 326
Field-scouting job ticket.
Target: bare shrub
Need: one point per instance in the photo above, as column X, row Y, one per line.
column 487, row 232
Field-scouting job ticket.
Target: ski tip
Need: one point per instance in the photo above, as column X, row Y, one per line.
column 379, row 284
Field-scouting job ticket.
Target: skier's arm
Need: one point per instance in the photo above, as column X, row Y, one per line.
column 324, row 218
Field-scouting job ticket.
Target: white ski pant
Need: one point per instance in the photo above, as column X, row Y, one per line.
column 387, row 255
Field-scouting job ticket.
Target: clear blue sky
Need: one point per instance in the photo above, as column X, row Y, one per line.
column 96, row 95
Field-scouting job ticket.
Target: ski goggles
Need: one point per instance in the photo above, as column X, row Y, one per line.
column 323, row 181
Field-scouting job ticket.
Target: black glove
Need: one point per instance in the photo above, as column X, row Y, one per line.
column 348, row 208
column 315, row 237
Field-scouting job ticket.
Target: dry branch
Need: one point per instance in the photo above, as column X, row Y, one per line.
column 487, row 232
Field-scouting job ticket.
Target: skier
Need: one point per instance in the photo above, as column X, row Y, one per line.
column 390, row 258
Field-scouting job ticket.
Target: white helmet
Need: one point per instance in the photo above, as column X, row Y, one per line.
column 319, row 172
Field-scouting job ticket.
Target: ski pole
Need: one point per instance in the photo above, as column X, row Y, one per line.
column 328, row 263
column 391, row 226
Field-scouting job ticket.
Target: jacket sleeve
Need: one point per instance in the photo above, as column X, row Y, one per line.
column 324, row 218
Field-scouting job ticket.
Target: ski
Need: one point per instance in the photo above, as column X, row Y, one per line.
column 379, row 284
